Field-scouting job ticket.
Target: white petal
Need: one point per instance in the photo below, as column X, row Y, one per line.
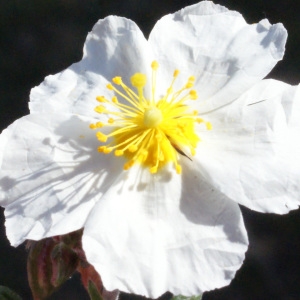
column 225, row 54
column 51, row 175
column 165, row 232
column 115, row 47
column 253, row 152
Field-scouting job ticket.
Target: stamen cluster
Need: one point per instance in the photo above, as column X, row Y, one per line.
column 146, row 131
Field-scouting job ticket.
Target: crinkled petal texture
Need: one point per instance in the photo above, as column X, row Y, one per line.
column 51, row 175
column 115, row 47
column 252, row 154
column 224, row 53
column 152, row 234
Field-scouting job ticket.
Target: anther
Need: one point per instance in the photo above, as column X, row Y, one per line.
column 101, row 148
column 176, row 73
column 107, row 150
column 138, row 80
column 101, row 137
column 193, row 94
column 178, row 169
column 117, row 80
column 119, row 152
column 132, row 148
column 128, row 165
column 110, row 86
column 153, row 170
column 101, row 99
column 154, row 65
column 189, row 85
column 99, row 109
column 208, row 125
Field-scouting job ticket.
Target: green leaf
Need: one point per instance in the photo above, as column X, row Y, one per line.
column 8, row 294
column 179, row 297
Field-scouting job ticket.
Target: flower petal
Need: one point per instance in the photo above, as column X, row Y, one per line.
column 51, row 175
column 252, row 154
column 115, row 47
column 165, row 232
column 225, row 54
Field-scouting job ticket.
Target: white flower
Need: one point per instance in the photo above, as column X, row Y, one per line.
column 170, row 221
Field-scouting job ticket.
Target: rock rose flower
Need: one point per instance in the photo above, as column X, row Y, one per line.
column 184, row 130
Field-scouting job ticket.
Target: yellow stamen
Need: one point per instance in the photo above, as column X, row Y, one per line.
column 151, row 132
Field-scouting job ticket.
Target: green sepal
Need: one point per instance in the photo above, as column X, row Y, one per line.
column 93, row 291
column 8, row 294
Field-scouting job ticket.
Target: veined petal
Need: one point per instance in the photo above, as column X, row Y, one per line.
column 51, row 175
column 225, row 54
column 115, row 46
column 168, row 233
column 252, row 155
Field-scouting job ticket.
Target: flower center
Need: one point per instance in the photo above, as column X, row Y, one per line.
column 152, row 117
column 149, row 131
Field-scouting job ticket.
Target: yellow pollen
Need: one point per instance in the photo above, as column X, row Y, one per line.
column 189, row 85
column 117, row 80
column 138, row 80
column 100, row 109
column 176, row 73
column 146, row 129
column 119, row 152
column 154, row 65
column 100, row 99
column 132, row 148
column 193, row 94
column 110, row 86
column 208, row 126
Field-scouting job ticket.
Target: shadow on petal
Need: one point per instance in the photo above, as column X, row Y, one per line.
column 63, row 176
column 202, row 204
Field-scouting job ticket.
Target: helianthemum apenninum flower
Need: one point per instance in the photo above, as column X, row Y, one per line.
column 151, row 145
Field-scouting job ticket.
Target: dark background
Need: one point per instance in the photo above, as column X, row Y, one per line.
column 42, row 37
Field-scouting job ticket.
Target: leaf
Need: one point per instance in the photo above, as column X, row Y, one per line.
column 179, row 297
column 8, row 294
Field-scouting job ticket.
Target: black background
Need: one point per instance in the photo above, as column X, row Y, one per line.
column 42, row 37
